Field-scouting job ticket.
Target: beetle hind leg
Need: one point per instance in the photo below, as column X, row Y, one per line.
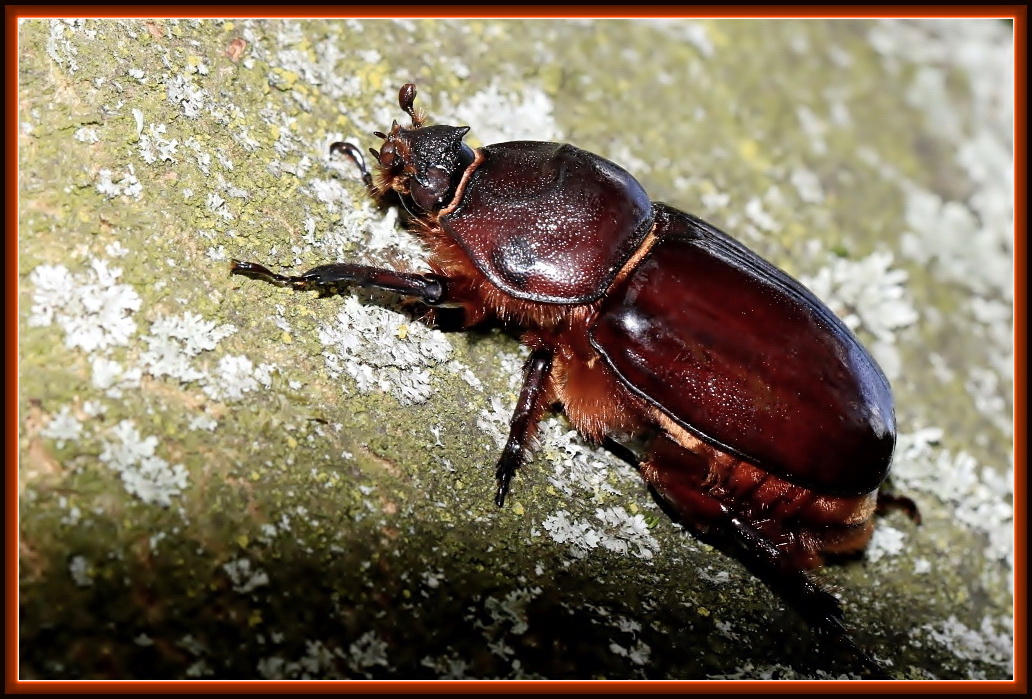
column 739, row 522
column 795, row 585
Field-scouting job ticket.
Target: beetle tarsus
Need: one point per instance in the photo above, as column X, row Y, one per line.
column 355, row 153
column 503, row 488
column 888, row 502
column 832, row 627
column 529, row 407
column 253, row 270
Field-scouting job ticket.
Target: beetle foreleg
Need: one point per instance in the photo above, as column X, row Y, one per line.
column 333, row 278
column 524, row 419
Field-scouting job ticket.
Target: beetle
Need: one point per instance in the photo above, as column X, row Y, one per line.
column 758, row 419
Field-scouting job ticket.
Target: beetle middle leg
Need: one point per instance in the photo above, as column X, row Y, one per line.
column 524, row 419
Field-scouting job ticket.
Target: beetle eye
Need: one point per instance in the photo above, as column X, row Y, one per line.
column 388, row 155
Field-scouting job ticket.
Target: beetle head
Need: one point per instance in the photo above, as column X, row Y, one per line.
column 424, row 162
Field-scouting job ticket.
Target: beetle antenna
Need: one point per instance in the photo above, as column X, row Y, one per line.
column 355, row 153
column 406, row 99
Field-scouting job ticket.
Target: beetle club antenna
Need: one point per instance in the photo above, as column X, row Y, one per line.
column 406, row 98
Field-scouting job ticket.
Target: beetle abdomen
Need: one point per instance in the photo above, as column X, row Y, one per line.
column 549, row 222
column 746, row 358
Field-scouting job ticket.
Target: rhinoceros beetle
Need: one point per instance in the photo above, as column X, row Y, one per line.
column 758, row 418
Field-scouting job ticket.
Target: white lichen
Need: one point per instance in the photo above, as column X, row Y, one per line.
column 81, row 571
column 499, row 113
column 617, row 531
column 868, row 293
column 234, row 375
column 127, row 183
column 981, row 498
column 886, row 541
column 949, row 238
column 367, row 652
column 383, row 350
column 510, row 612
column 154, row 146
column 63, row 427
column 576, row 467
column 144, row 474
column 86, row 134
column 183, row 93
column 174, row 341
column 991, row 644
column 110, row 377
column 92, row 308
column 59, row 45
column 245, row 577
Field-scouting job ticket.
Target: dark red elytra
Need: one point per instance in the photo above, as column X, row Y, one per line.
column 758, row 418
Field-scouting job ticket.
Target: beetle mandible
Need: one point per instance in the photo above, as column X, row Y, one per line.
column 759, row 419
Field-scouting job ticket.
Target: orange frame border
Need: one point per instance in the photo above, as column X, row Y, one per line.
column 1019, row 685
